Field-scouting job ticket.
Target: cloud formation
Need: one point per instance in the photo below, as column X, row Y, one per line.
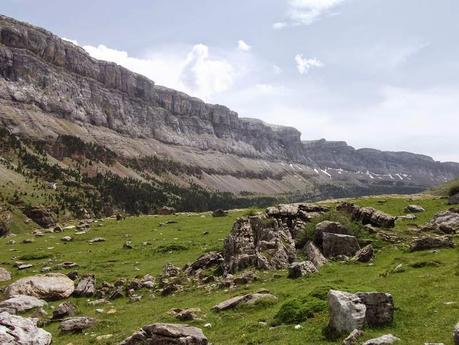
column 304, row 65
column 305, row 12
column 242, row 46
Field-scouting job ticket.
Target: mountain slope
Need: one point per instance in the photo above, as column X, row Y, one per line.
column 50, row 88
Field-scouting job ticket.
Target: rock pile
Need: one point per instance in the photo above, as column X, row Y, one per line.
column 167, row 334
column 368, row 215
column 446, row 222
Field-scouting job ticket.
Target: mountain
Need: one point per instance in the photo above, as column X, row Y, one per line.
column 54, row 96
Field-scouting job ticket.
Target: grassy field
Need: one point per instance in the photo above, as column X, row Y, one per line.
column 425, row 288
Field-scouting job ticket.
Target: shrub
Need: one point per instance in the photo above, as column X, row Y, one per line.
column 454, row 190
column 296, row 311
column 171, row 248
column 321, row 292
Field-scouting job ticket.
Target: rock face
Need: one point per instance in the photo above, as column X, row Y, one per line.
column 249, row 299
column 60, row 89
column 431, row 242
column 16, row 330
column 301, row 269
column 21, row 303
column 368, row 215
column 335, row 245
column 4, row 275
column 258, row 242
column 444, row 222
column 51, row 286
column 347, row 312
column 383, row 340
column 379, row 308
column 167, row 334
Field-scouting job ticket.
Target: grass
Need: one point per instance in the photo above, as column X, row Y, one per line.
column 422, row 289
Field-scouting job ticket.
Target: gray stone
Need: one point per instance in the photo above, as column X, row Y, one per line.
column 368, row 215
column 16, row 330
column 453, row 199
column 167, row 334
column 328, row 227
column 353, row 337
column 314, row 255
column 365, row 254
column 414, row 209
column 21, row 303
column 431, row 242
column 64, row 310
column 446, row 222
column 379, row 308
column 51, row 286
column 335, row 245
column 249, row 299
column 347, row 312
column 86, row 286
column 387, row 339
column 4, row 275
column 76, row 324
column 301, row 269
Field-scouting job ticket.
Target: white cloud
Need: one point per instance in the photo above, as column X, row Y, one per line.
column 304, row 65
column 305, row 12
column 195, row 72
column 241, row 45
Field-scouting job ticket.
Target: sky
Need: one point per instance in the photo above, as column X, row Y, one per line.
column 375, row 73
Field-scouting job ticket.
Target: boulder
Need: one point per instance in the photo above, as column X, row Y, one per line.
column 260, row 242
column 328, row 227
column 431, row 242
column 444, row 222
column 76, row 324
column 86, row 286
column 314, row 255
column 42, row 216
column 379, row 308
column 21, row 303
column 64, row 310
column 347, row 312
column 383, row 340
column 353, row 337
column 165, row 210
column 365, row 254
column 205, row 261
column 51, row 286
column 4, row 275
column 301, row 269
column 334, row 245
column 368, row 215
column 453, row 199
column 16, row 330
column 167, row 334
column 185, row 314
column 249, row 299
column 456, row 334
column 414, row 209
column 219, row 213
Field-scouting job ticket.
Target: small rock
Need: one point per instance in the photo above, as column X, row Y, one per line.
column 76, row 324
column 64, row 310
column 67, row 239
column 4, row 275
column 97, row 240
column 387, row 339
column 353, row 337
column 456, row 334
column 164, row 333
column 86, row 286
column 301, row 269
column 128, row 245
column 365, row 254
column 414, row 209
column 249, row 299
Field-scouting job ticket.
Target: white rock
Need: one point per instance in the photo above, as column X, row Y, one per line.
column 383, row 340
column 16, row 330
column 21, row 303
column 347, row 312
column 51, row 286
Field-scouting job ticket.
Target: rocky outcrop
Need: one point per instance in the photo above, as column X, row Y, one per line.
column 446, row 222
column 328, row 227
column 167, row 334
column 50, row 287
column 16, row 330
column 56, row 84
column 368, row 215
column 431, row 242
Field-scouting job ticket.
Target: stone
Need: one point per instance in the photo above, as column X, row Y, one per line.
column 353, row 337
column 456, row 334
column 301, row 269
column 346, row 310
column 249, row 299
column 414, row 209
column 368, row 215
column 383, row 340
column 327, row 227
column 258, row 242
column 21, row 303
column 4, row 275
column 446, row 222
column 86, row 287
column 64, row 310
column 453, row 199
column 205, row 261
column 165, row 211
column 314, row 255
column 185, row 314
column 167, row 334
column 97, row 240
column 431, row 242
column 219, row 213
column 76, row 324
column 379, row 308
column 17, row 330
column 42, row 216
column 365, row 254
column 128, row 245
column 335, row 245
column 50, row 286
column 67, row 239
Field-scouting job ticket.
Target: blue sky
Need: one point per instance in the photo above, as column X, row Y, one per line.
column 376, row 73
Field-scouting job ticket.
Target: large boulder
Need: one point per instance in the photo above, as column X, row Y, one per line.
column 86, row 286
column 4, row 275
column 314, row 255
column 16, row 330
column 368, row 215
column 42, row 216
column 431, row 242
column 258, row 242
column 51, row 286
column 444, row 222
column 379, row 308
column 249, row 299
column 347, row 312
column 167, row 334
column 21, row 303
column 328, row 227
column 301, row 269
column 334, row 245
column 387, row 339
